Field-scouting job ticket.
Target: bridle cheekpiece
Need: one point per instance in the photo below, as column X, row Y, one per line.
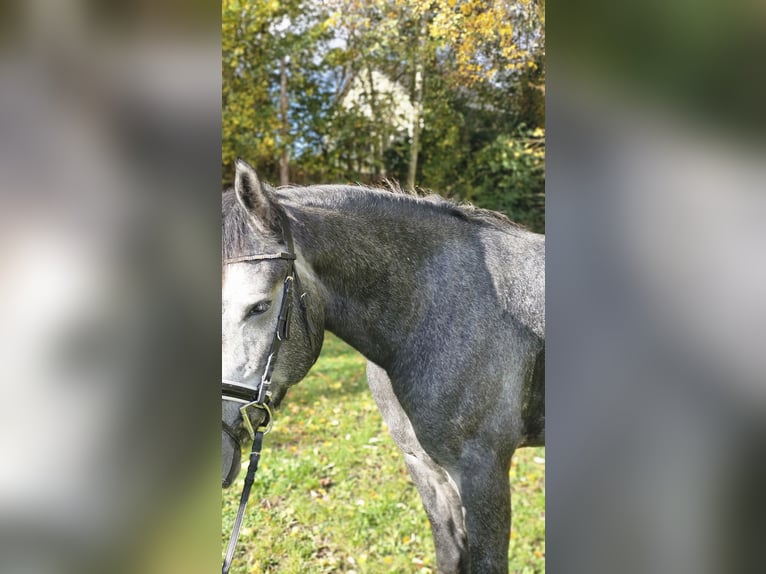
column 259, row 396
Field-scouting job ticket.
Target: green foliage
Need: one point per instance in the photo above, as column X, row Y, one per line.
column 482, row 98
column 483, row 95
column 256, row 37
column 332, row 492
column 509, row 176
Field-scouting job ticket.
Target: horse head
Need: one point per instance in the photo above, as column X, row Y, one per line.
column 271, row 335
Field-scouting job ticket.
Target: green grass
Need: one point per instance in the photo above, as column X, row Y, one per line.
column 332, row 493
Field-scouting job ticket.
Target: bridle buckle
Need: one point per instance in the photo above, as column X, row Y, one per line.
column 247, row 423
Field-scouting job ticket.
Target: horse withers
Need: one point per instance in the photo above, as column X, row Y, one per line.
column 447, row 304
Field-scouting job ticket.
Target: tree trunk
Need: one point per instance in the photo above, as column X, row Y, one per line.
column 417, row 108
column 284, row 166
column 378, row 168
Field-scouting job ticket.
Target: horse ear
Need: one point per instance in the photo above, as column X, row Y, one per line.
column 254, row 197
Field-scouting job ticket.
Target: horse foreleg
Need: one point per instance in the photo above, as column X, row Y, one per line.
column 486, row 498
column 437, row 490
column 445, row 513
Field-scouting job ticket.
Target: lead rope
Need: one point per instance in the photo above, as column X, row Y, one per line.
column 252, row 467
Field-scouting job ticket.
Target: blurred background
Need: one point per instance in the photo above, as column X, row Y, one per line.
column 445, row 95
column 656, row 315
column 109, row 230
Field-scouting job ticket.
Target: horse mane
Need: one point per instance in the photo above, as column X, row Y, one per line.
column 470, row 212
column 237, row 236
column 457, row 208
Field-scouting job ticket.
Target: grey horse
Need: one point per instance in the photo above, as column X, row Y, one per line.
column 445, row 301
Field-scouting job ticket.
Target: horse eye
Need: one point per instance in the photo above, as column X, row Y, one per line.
column 258, row 308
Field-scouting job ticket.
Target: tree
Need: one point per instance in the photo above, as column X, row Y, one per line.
column 272, row 99
column 440, row 94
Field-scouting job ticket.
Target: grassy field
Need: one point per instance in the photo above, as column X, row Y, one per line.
column 332, row 493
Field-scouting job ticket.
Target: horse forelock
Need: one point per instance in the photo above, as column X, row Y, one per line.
column 237, row 235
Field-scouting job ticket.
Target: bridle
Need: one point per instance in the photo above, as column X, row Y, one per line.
column 258, row 397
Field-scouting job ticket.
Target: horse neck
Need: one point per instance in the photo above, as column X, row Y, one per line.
column 367, row 262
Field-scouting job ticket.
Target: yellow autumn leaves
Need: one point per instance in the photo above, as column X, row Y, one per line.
column 474, row 31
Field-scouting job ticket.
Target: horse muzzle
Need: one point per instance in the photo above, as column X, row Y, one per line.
column 232, row 450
